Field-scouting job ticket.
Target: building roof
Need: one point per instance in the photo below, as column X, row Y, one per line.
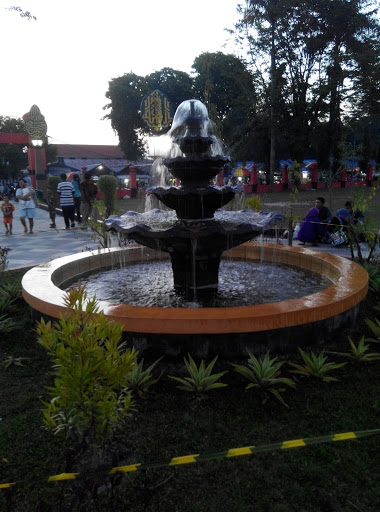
column 95, row 152
column 75, row 156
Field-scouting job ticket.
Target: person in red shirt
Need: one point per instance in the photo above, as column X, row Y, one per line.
column 7, row 210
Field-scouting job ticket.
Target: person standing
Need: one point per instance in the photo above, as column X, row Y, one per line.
column 77, row 197
column 24, row 194
column 51, row 204
column 66, row 191
column 7, row 209
column 88, row 191
column 26, row 177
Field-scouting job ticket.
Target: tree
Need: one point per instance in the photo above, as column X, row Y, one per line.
column 263, row 17
column 307, row 53
column 225, row 85
column 177, row 85
column 126, row 93
column 13, row 157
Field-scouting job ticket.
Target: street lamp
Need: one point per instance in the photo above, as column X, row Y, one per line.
column 36, row 128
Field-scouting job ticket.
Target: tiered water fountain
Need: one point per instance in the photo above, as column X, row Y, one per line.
column 195, row 234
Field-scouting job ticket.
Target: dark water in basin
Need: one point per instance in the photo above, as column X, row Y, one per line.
column 240, row 284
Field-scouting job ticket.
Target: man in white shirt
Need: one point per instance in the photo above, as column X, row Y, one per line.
column 26, row 177
column 24, row 194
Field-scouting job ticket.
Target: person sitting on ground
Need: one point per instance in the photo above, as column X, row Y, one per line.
column 325, row 217
column 310, row 227
column 356, row 215
column 340, row 219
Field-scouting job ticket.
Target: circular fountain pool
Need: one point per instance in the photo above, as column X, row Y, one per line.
column 277, row 326
column 241, row 283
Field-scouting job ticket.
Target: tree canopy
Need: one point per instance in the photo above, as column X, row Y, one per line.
column 309, row 82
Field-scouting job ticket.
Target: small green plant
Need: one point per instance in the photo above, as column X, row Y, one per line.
column 8, row 324
column 97, row 225
column 254, row 203
column 264, row 374
column 90, row 398
column 201, row 379
column 315, row 366
column 140, row 380
column 374, row 325
column 373, row 278
column 16, row 361
column 11, row 291
column 3, row 258
column 359, row 352
column 10, row 321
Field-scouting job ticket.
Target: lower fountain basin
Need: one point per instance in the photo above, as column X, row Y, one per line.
column 279, row 327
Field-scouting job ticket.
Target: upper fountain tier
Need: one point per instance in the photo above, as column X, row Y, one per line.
column 191, row 133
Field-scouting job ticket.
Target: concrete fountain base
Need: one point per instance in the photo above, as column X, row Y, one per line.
column 279, row 327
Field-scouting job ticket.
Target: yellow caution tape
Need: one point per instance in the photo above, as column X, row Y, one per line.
column 232, row 452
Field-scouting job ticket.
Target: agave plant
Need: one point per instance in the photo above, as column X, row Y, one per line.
column 375, row 328
column 140, row 380
column 373, row 277
column 264, row 374
column 201, row 379
column 315, row 366
column 16, row 361
column 359, row 352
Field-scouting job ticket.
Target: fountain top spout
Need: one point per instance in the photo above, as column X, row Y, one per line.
column 192, row 133
column 191, row 129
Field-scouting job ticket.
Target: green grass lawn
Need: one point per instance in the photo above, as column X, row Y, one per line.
column 168, row 422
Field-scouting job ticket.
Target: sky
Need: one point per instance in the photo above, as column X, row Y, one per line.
column 64, row 61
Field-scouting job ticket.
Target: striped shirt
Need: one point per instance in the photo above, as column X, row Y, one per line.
column 65, row 190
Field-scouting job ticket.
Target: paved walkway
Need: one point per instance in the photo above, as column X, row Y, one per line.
column 47, row 244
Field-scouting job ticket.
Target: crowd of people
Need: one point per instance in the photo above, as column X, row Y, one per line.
column 320, row 226
column 73, row 196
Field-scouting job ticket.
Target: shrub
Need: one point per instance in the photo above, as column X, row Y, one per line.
column 53, row 182
column 254, row 203
column 90, row 397
column 108, row 186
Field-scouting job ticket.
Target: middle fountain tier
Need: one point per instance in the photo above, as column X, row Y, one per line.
column 197, row 231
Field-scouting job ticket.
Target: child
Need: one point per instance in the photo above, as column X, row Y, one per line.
column 7, row 209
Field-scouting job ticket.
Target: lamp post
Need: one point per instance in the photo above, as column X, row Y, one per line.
column 36, row 128
column 39, row 167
